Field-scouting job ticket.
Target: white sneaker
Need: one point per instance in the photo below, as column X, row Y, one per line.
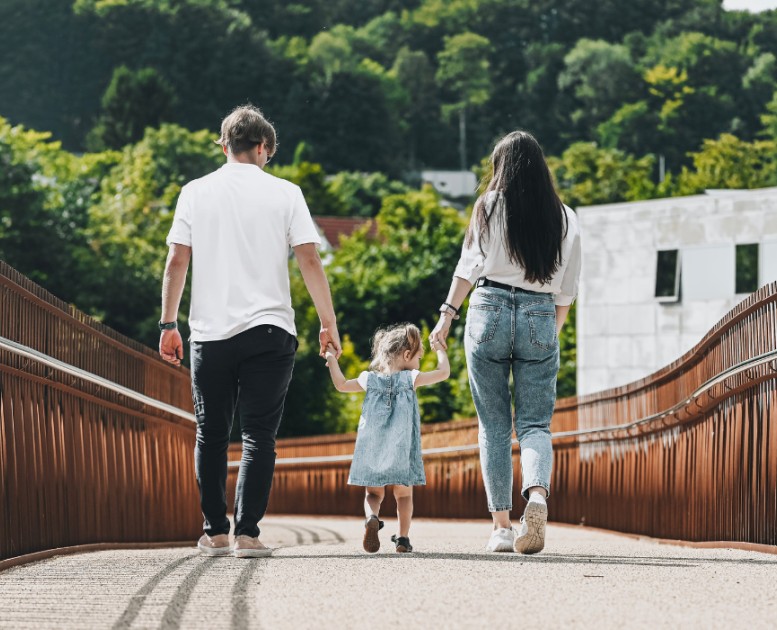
column 531, row 537
column 501, row 539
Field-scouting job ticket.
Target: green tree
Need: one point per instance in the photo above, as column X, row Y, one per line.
column 331, row 53
column 381, row 38
column 758, row 83
column 129, row 223
column 313, row 406
column 538, row 95
column 45, row 194
column 415, row 74
column 769, row 119
column 311, row 178
column 566, row 385
column 632, row 128
column 600, row 76
column 464, row 71
column 402, row 275
column 589, row 175
column 133, row 101
column 730, row 163
column 364, row 193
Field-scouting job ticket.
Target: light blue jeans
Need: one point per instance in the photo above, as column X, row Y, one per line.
column 512, row 330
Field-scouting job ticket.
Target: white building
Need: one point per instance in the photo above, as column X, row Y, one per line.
column 657, row 275
column 452, row 184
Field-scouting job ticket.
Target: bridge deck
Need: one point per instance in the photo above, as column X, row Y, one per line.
column 320, row 579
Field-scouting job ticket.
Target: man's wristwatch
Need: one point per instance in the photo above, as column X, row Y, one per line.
column 168, row 326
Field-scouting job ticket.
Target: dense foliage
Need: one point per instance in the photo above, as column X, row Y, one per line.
column 363, row 93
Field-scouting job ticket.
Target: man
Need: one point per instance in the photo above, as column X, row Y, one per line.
column 237, row 224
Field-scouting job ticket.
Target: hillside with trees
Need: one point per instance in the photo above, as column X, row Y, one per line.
column 126, row 96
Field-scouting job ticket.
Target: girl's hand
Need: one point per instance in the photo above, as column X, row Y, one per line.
column 440, row 332
column 331, row 354
column 436, row 346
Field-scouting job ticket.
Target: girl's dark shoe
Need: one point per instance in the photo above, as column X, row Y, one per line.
column 371, row 540
column 402, row 543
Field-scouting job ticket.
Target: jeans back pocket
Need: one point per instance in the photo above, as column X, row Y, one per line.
column 543, row 329
column 481, row 321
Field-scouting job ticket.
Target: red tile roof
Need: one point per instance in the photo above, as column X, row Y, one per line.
column 333, row 227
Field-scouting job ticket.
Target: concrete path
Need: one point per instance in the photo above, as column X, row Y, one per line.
column 321, row 579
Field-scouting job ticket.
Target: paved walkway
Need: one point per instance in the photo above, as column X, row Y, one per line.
column 321, row 579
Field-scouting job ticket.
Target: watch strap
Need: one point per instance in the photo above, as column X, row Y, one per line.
column 168, row 325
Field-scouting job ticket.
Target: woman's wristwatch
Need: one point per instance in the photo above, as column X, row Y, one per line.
column 450, row 310
column 168, row 325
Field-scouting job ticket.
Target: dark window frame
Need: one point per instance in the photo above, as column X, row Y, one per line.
column 661, row 292
column 746, row 272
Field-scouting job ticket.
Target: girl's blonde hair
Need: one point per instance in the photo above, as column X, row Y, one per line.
column 392, row 342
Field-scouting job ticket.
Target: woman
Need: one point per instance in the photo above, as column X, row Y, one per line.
column 522, row 251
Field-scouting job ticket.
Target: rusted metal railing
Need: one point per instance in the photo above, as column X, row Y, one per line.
column 80, row 460
column 689, row 452
column 96, row 440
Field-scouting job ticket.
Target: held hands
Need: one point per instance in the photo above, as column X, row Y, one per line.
column 436, row 346
column 440, row 332
column 331, row 354
column 171, row 346
column 329, row 336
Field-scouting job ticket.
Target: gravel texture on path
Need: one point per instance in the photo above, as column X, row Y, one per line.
column 320, row 578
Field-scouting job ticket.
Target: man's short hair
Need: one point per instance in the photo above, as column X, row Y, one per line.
column 244, row 128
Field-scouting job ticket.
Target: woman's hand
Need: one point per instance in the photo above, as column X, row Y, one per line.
column 440, row 332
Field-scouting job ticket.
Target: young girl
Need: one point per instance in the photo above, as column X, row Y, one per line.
column 388, row 444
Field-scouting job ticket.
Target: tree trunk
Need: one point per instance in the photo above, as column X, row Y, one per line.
column 463, row 139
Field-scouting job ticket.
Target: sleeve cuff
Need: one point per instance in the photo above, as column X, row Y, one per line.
column 471, row 276
column 564, row 300
column 178, row 240
column 316, row 240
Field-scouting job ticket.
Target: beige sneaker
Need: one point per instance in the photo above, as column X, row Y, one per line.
column 531, row 537
column 216, row 546
column 247, row 547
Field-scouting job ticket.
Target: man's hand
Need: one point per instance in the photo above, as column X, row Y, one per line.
column 330, row 336
column 170, row 342
column 331, row 354
column 171, row 346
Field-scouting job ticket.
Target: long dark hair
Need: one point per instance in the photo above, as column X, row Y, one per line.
column 535, row 222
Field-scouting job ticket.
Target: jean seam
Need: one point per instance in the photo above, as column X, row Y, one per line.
column 531, row 329
column 532, row 484
column 496, row 298
column 535, row 303
column 484, row 307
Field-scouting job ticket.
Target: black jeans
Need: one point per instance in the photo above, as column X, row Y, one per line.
column 259, row 362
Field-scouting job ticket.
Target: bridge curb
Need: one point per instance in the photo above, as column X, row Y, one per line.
column 66, row 551
column 712, row 544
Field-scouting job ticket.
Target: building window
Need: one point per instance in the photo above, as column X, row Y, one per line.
column 747, row 268
column 668, row 275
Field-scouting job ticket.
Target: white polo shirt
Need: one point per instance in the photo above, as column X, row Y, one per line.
column 239, row 222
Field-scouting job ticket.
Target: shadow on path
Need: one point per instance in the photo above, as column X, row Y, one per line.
column 139, row 598
column 174, row 612
column 240, row 611
column 548, row 558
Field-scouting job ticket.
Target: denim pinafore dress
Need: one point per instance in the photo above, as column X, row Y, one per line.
column 388, row 444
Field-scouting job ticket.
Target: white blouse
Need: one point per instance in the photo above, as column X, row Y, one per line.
column 489, row 258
